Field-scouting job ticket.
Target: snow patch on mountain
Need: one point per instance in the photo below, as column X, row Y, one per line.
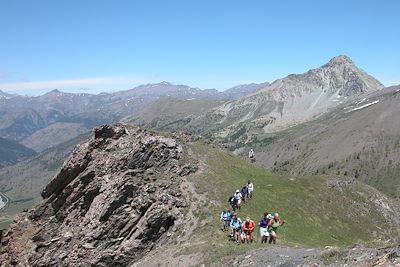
column 364, row 106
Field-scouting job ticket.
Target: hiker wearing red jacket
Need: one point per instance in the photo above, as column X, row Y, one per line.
column 248, row 229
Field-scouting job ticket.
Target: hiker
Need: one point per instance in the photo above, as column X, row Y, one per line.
column 225, row 219
column 248, row 228
column 273, row 225
column 263, row 224
column 250, row 189
column 238, row 197
column 233, row 202
column 245, row 193
column 251, row 155
column 236, row 226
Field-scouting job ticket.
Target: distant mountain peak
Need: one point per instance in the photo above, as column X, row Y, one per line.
column 344, row 74
column 341, row 59
column 54, row 92
column 163, row 83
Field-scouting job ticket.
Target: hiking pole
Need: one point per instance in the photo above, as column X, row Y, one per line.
column 258, row 236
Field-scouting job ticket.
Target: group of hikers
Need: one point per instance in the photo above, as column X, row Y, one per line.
column 241, row 196
column 243, row 231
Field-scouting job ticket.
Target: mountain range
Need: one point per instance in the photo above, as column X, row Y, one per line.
column 292, row 100
column 47, row 120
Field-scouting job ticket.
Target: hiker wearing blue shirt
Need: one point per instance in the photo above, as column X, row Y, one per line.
column 225, row 219
column 236, row 226
column 264, row 227
column 245, row 193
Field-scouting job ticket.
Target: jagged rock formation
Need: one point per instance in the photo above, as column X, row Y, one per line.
column 114, row 199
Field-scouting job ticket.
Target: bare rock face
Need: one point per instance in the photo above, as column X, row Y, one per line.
column 114, row 199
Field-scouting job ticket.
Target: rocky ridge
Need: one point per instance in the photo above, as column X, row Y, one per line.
column 116, row 197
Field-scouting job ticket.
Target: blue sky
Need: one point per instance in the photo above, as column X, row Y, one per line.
column 113, row 45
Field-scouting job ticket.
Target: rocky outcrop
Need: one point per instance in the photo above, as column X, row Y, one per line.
column 114, row 199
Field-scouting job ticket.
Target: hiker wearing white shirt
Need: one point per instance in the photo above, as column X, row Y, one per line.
column 251, row 155
column 238, row 197
column 250, row 189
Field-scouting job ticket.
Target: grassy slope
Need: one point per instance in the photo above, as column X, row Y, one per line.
column 376, row 164
column 316, row 214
